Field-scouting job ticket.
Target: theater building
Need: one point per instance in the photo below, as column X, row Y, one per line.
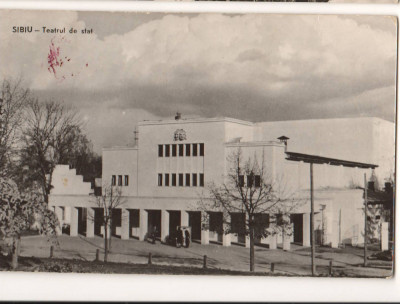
column 164, row 175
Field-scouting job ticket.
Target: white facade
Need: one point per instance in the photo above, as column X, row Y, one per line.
column 163, row 188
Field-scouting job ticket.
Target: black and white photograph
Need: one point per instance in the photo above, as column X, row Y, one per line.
column 197, row 143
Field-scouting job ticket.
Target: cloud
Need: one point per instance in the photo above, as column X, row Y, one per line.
column 253, row 66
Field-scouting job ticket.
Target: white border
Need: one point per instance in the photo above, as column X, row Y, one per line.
column 41, row 286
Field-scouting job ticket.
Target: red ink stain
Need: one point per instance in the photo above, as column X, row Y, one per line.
column 52, row 58
column 87, row 64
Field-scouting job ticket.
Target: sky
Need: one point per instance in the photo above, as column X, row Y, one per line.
column 256, row 67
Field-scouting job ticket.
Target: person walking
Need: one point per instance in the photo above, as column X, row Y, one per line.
column 187, row 238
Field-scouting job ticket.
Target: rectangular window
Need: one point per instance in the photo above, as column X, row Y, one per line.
column 160, row 150
column 113, row 180
column 194, row 180
column 194, row 152
column 250, row 180
column 241, row 180
column 173, row 179
column 119, row 180
column 180, row 149
column 187, row 149
column 166, row 150
column 173, row 150
column 257, row 181
column 181, row 179
column 201, row 180
column 126, row 180
column 201, row 149
column 187, row 184
column 160, row 179
column 166, row 179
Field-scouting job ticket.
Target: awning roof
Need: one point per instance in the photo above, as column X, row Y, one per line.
column 307, row 158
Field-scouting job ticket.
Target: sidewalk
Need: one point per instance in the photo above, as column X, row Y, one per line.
column 294, row 262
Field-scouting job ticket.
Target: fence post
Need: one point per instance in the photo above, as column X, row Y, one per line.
column 97, row 255
column 150, row 259
column 51, row 251
column 272, row 267
column 205, row 262
column 330, row 268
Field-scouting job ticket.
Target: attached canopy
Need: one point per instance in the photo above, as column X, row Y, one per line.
column 307, row 158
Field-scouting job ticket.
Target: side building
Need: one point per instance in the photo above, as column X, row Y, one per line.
column 166, row 173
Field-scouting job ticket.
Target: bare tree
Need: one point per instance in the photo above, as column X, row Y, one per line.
column 51, row 131
column 109, row 200
column 250, row 189
column 13, row 99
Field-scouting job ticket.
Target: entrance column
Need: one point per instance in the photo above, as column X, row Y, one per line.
column 226, row 237
column 73, row 228
column 164, row 225
column 143, row 222
column 205, row 228
column 59, row 213
column 90, row 223
column 184, row 218
column 306, row 229
column 273, row 238
column 125, row 224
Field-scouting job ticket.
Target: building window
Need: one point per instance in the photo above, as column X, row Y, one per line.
column 250, row 180
column 160, row 179
column 241, row 180
column 201, row 149
column 257, row 181
column 181, row 150
column 173, row 150
column 113, row 180
column 160, row 150
column 173, row 182
column 166, row 150
column 187, row 149
column 119, row 180
column 126, row 180
column 180, row 179
column 194, row 152
column 201, row 180
column 187, row 180
column 166, row 179
column 194, row 180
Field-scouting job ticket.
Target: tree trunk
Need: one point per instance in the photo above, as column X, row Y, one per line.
column 109, row 244
column 252, row 257
column 15, row 252
column 105, row 242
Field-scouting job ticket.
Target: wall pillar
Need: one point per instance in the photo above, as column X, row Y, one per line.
column 90, row 223
column 286, row 237
column 73, row 230
column 205, row 229
column 164, row 225
column 184, row 218
column 385, row 236
column 143, row 222
column 306, row 229
column 273, row 238
column 226, row 237
column 125, row 233
column 59, row 213
column 247, row 237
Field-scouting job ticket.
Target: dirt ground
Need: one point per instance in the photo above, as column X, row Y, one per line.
column 346, row 262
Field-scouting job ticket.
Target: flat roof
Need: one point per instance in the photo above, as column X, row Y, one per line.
column 195, row 120
column 307, row 158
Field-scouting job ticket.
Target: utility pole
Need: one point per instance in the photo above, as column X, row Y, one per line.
column 365, row 219
column 313, row 272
